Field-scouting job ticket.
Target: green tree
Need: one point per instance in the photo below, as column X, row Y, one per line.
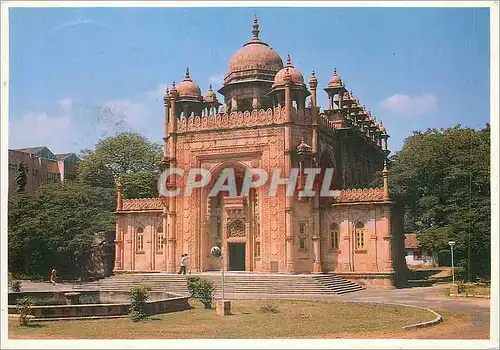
column 442, row 177
column 21, row 178
column 55, row 227
column 129, row 156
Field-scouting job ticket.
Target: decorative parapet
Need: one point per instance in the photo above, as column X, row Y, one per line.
column 142, row 204
column 233, row 120
column 360, row 195
column 332, row 124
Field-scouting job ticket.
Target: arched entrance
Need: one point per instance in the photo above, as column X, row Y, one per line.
column 231, row 221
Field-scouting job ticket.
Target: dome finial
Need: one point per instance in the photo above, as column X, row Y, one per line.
column 288, row 60
column 187, row 77
column 255, row 30
column 173, row 85
column 210, row 87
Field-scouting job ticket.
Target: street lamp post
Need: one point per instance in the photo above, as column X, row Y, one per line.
column 223, row 306
column 452, row 243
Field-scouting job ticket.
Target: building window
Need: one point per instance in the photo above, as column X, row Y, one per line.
column 160, row 239
column 35, row 172
column 302, row 236
column 12, row 167
column 139, row 240
column 334, row 236
column 257, row 249
column 360, row 235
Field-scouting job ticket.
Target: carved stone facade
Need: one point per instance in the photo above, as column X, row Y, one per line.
column 350, row 234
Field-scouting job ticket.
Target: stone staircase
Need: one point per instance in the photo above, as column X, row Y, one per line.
column 239, row 284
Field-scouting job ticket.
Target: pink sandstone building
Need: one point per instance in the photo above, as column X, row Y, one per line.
column 269, row 119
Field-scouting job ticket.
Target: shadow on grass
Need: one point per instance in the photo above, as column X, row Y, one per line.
column 33, row 325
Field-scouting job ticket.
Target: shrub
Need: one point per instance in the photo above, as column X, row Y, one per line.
column 16, row 285
column 138, row 297
column 269, row 308
column 24, row 304
column 201, row 289
column 461, row 286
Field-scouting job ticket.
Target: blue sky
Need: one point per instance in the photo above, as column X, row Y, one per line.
column 80, row 74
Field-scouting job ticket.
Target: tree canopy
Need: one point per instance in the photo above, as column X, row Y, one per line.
column 129, row 156
column 21, row 178
column 55, row 227
column 442, row 177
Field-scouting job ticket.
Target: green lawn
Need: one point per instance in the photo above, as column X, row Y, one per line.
column 296, row 319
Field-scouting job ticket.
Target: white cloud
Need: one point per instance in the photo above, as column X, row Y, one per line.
column 158, row 93
column 70, row 24
column 411, row 106
column 40, row 129
column 122, row 112
column 66, row 105
column 216, row 80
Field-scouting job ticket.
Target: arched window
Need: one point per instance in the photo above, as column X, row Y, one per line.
column 360, row 235
column 139, row 239
column 160, row 239
column 334, row 236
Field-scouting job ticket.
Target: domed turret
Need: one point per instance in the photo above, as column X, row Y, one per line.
column 335, row 81
column 253, row 57
column 296, row 77
column 251, row 75
column 189, row 90
column 210, row 96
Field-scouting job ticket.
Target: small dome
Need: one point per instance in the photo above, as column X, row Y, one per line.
column 188, row 89
column 335, row 81
column 303, row 147
column 255, row 55
column 313, row 80
column 296, row 76
column 210, row 96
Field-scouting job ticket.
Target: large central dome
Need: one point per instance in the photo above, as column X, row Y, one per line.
column 254, row 60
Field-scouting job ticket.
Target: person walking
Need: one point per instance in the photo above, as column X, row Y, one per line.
column 183, row 268
column 53, row 277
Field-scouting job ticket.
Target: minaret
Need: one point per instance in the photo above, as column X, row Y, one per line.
column 313, row 84
column 119, row 194
column 385, row 175
column 290, row 249
column 170, row 225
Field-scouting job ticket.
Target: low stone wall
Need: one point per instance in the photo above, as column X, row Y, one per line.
column 369, row 280
column 102, row 304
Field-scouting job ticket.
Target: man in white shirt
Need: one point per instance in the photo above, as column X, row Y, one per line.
column 183, row 268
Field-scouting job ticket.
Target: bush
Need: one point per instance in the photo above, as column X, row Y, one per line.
column 25, row 304
column 269, row 308
column 462, row 287
column 138, row 309
column 201, row 289
column 16, row 285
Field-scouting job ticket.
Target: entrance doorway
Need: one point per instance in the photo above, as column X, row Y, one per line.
column 236, row 256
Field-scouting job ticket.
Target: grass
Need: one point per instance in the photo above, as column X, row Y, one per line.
column 296, row 319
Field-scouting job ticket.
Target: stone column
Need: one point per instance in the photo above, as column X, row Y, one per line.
column 118, row 244
column 313, row 83
column 290, row 250
column 234, row 105
column 387, row 240
column 171, row 241
column 385, row 175
column 317, row 253
column 255, row 102
column 164, row 216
